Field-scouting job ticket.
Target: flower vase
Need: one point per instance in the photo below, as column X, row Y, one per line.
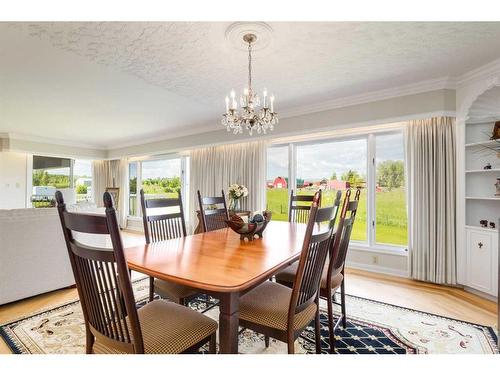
column 234, row 205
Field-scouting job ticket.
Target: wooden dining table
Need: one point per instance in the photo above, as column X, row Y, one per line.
column 221, row 265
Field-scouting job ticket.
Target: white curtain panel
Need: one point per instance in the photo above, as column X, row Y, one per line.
column 431, row 171
column 111, row 173
column 215, row 168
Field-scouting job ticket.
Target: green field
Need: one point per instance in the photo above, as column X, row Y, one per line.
column 391, row 220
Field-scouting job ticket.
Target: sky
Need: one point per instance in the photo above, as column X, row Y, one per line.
column 321, row 160
column 161, row 168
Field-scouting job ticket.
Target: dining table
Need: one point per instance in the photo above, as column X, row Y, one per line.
column 221, row 265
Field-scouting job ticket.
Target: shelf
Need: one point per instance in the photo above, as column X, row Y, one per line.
column 483, row 143
column 485, row 198
column 483, row 170
column 481, row 228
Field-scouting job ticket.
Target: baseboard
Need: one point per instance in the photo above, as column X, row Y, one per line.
column 377, row 269
column 480, row 294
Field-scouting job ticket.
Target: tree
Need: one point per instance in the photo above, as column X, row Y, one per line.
column 81, row 189
column 390, row 174
column 334, row 176
column 353, row 177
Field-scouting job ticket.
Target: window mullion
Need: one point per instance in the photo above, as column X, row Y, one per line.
column 370, row 190
column 292, row 167
column 138, row 188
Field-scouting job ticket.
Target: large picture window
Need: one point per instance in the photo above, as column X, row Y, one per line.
column 372, row 162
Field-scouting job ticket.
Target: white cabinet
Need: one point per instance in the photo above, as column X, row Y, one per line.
column 482, row 260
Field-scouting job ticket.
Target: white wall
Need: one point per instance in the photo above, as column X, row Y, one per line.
column 13, row 180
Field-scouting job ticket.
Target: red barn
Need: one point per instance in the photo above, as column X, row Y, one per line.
column 279, row 183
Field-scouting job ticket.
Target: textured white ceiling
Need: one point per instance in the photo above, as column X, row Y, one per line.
column 154, row 79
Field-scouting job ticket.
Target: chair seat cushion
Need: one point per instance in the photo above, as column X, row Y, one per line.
column 267, row 305
column 288, row 276
column 168, row 328
column 171, row 290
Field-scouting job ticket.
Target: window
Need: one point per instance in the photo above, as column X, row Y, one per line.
column 391, row 226
column 160, row 178
column 277, row 182
column 82, row 180
column 49, row 174
column 374, row 162
column 332, row 166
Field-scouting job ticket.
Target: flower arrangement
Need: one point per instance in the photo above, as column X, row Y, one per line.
column 236, row 191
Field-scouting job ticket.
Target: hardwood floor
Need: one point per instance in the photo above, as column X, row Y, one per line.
column 451, row 302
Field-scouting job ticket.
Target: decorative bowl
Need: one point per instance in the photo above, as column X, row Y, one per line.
column 253, row 228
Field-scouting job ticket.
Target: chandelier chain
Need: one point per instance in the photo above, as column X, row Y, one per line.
column 249, row 66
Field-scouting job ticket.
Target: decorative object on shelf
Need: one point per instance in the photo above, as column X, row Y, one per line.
column 236, row 192
column 497, row 185
column 492, row 225
column 487, row 166
column 495, row 134
column 254, row 228
column 250, row 116
column 483, row 223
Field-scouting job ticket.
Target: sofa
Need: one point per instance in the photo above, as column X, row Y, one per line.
column 33, row 255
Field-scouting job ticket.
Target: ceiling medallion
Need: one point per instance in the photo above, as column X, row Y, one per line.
column 250, row 116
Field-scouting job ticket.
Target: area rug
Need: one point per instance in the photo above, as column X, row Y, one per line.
column 373, row 328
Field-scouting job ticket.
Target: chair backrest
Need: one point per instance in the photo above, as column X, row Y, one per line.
column 213, row 212
column 312, row 258
column 299, row 207
column 164, row 226
column 340, row 245
column 102, row 278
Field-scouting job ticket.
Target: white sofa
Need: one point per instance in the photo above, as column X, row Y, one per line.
column 33, row 255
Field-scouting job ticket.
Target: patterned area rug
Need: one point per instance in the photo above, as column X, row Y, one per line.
column 373, row 328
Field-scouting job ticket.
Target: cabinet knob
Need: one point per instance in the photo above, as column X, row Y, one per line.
column 480, row 245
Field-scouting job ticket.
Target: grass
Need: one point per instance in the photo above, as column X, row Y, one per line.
column 391, row 220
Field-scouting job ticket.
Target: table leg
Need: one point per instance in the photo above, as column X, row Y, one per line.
column 228, row 323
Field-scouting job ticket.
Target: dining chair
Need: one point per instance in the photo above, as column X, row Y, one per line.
column 161, row 227
column 213, row 212
column 335, row 276
column 299, row 207
column 333, row 273
column 113, row 324
column 287, row 276
column 281, row 312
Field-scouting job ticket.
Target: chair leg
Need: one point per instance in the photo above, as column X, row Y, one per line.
column 89, row 344
column 291, row 347
column 151, row 288
column 266, row 340
column 212, row 346
column 331, row 323
column 317, row 332
column 182, row 301
column 342, row 301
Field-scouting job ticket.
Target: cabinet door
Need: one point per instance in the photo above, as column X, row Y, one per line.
column 480, row 261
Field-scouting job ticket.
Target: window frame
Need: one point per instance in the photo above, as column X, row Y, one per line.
column 370, row 136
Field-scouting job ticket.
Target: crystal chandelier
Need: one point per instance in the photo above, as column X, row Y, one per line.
column 250, row 116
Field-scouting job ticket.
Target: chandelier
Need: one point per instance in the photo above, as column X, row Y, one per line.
column 250, row 116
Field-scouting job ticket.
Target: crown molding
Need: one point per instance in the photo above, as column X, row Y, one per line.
column 485, row 71
column 52, row 141
column 373, row 96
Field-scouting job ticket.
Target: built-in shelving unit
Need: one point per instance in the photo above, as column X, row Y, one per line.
column 478, row 194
